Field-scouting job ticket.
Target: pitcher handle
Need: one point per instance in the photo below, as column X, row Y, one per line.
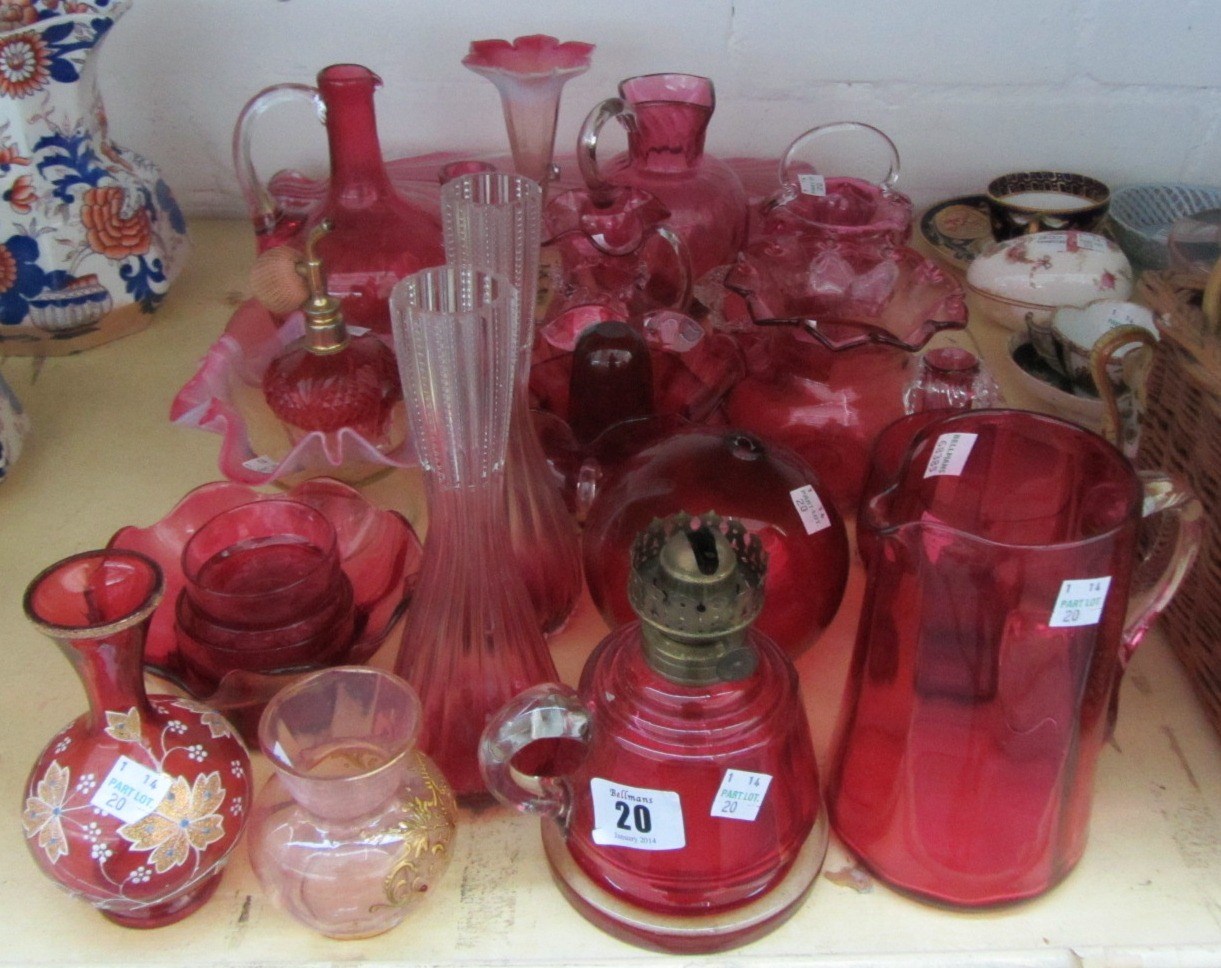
column 587, row 141
column 1104, row 350
column 546, row 711
column 264, row 209
column 1166, row 561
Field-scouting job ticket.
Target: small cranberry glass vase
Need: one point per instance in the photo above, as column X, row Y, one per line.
column 472, row 640
column 691, row 820
column 378, row 236
column 666, row 117
column 492, row 221
column 356, row 825
column 136, row 804
column 530, row 74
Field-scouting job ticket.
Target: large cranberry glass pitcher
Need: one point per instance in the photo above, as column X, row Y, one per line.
column 1007, row 586
column 377, row 236
column 666, row 117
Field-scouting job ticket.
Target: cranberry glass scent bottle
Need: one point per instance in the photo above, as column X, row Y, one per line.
column 329, row 379
column 692, row 820
column 135, row 805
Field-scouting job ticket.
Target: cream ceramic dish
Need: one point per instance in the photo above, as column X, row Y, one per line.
column 1024, row 281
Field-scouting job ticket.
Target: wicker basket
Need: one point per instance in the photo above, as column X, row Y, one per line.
column 1181, row 433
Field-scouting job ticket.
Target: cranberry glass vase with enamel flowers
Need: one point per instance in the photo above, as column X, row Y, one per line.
column 135, row 805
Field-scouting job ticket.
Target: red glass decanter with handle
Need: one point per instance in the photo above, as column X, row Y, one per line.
column 378, row 236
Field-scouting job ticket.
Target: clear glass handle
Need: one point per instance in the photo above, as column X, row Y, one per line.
column 863, row 145
column 262, row 206
column 548, row 711
column 1166, row 556
column 587, row 142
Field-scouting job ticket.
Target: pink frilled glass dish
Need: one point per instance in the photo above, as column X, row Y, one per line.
column 225, row 396
column 379, row 554
column 830, row 338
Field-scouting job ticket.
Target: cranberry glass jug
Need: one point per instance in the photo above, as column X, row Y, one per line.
column 691, row 821
column 666, row 117
column 1003, row 598
column 377, row 236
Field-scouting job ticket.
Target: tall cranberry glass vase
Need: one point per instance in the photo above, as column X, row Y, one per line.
column 135, row 805
column 492, row 221
column 471, row 641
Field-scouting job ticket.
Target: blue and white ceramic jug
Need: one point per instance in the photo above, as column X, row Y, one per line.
column 90, row 235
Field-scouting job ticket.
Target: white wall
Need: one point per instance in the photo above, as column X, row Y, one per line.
column 1128, row 90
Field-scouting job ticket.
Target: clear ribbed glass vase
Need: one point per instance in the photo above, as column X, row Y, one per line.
column 471, row 640
column 493, row 221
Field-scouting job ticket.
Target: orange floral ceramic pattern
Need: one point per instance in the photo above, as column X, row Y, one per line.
column 20, row 13
column 8, row 269
column 22, row 195
column 186, row 819
column 9, row 156
column 24, row 62
column 106, row 229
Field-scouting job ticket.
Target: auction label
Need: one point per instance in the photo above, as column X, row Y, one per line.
column 627, row 816
column 810, row 508
column 261, row 464
column 741, row 795
column 130, row 791
column 1080, row 602
column 812, row 184
column 950, row 455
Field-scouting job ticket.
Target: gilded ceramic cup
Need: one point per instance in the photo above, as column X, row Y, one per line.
column 1023, row 202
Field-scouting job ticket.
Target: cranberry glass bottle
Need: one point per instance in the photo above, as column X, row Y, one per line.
column 378, row 235
column 330, row 380
column 135, row 805
column 692, row 821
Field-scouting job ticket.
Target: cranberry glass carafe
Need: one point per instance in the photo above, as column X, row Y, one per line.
column 135, row 805
column 377, row 236
column 691, row 821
